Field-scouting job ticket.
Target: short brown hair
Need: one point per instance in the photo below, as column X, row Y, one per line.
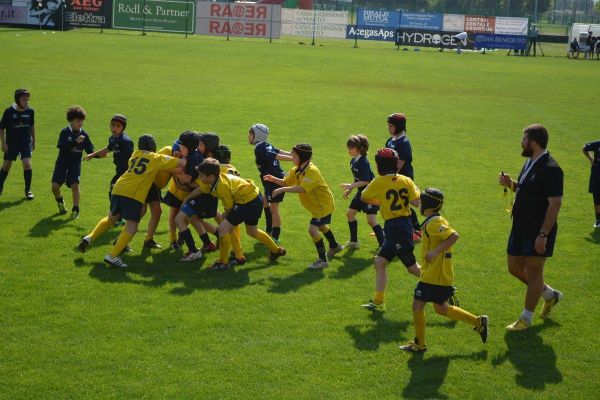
column 208, row 167
column 537, row 133
column 75, row 112
column 359, row 142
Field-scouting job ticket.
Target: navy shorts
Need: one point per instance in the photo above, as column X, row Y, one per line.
column 398, row 239
column 359, row 205
column 204, row 206
column 524, row 245
column 594, row 186
column 269, row 187
column 171, row 200
column 248, row 213
column 66, row 173
column 153, row 194
column 321, row 221
column 24, row 150
column 128, row 208
column 432, row 293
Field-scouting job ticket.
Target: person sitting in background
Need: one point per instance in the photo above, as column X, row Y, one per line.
column 573, row 47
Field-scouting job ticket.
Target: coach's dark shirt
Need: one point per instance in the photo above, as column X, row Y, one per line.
column 404, row 150
column 70, row 151
column 122, row 148
column 361, row 171
column 595, row 147
column 266, row 160
column 18, row 125
column 544, row 179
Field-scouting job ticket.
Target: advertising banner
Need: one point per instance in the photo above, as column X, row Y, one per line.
column 239, row 19
column 480, row 24
column 426, row 21
column 453, row 23
column 89, row 13
column 489, row 41
column 422, row 38
column 323, row 24
column 370, row 33
column 12, row 15
column 45, row 13
column 154, row 15
column 511, row 26
column 381, row 18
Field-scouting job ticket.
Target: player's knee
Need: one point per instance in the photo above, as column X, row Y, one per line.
column 407, row 258
column 440, row 309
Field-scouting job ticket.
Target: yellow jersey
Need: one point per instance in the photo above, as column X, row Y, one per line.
column 439, row 271
column 318, row 199
column 231, row 189
column 393, row 193
column 229, row 169
column 143, row 168
column 162, row 178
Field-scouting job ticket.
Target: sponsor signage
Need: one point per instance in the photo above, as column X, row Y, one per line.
column 46, row 13
column 490, row 41
column 370, row 33
column 427, row 21
column 90, row 13
column 239, row 19
column 13, row 15
column 453, row 23
column 381, row 18
column 479, row 24
column 422, row 38
column 154, row 15
column 511, row 26
column 323, row 24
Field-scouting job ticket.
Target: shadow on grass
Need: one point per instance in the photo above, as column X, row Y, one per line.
column 369, row 337
column 45, row 226
column 445, row 323
column 295, row 282
column 428, row 374
column 594, row 236
column 351, row 266
column 5, row 205
column 534, row 361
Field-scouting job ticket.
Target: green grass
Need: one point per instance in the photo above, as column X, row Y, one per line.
column 72, row 328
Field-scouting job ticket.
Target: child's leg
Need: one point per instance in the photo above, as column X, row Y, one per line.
column 419, row 321
column 261, row 236
column 125, row 237
column 155, row 213
column 456, row 313
column 27, row 173
column 172, row 227
column 268, row 216
column 352, row 224
column 333, row 244
column 275, row 220
column 56, row 192
column 102, row 226
column 372, row 221
column 236, row 243
column 381, row 279
column 315, row 234
column 76, row 196
column 225, row 228
column 182, row 220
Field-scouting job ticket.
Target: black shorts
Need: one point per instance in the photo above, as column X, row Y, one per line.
column 321, row 221
column 24, row 150
column 594, row 186
column 398, row 238
column 66, row 173
column 269, row 187
column 171, row 200
column 203, row 206
column 359, row 205
column 126, row 207
column 248, row 213
column 432, row 293
column 153, row 194
column 524, row 245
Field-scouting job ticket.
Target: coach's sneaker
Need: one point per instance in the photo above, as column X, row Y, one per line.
column 482, row 327
column 114, row 261
column 549, row 304
column 372, row 306
column 412, row 347
column 518, row 325
column 29, row 195
column 319, row 264
column 152, row 244
column 279, row 253
column 84, row 245
column 209, row 248
column 334, row 250
column 191, row 256
column 352, row 245
column 62, row 210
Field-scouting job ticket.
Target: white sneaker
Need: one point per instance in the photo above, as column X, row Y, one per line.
column 319, row 264
column 597, row 224
column 334, row 250
column 114, row 261
column 352, row 245
column 191, row 256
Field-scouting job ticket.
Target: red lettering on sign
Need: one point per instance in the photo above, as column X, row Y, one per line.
column 261, row 12
column 261, row 30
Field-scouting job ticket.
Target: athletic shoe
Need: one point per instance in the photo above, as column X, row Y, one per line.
column 412, row 347
column 319, row 264
column 334, row 250
column 549, row 304
column 416, row 237
column 174, row 246
column 518, row 325
column 114, row 261
column 238, row 261
column 453, row 299
column 74, row 215
column 83, row 245
column 152, row 244
column 482, row 327
column 596, row 225
column 29, row 195
column 352, row 245
column 274, row 256
column 61, row 207
column 219, row 266
column 209, row 248
column 372, row 306
column 191, row 256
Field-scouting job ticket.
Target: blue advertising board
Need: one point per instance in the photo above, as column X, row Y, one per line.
column 370, row 33
column 377, row 18
column 425, row 21
column 491, row 41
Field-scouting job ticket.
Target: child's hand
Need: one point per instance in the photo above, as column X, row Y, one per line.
column 429, row 257
column 80, row 138
column 346, row 186
column 347, row 193
column 88, row 157
column 276, row 192
column 268, row 178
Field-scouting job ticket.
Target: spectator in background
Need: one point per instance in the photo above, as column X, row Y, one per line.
column 597, row 48
column 532, row 39
column 589, row 42
column 573, row 47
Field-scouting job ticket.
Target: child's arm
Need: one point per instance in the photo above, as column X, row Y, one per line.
column 282, row 156
column 97, row 154
column 194, row 193
column 347, row 187
column 4, row 145
column 286, row 153
column 587, row 155
column 32, row 138
column 274, row 179
column 288, row 189
column 445, row 245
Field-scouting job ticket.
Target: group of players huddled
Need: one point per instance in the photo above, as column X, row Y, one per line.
column 197, row 172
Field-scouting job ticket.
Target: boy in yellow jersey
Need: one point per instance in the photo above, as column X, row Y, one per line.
column 306, row 180
column 242, row 202
column 437, row 274
column 129, row 195
column 393, row 193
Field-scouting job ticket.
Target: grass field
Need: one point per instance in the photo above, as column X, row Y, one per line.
column 72, row 328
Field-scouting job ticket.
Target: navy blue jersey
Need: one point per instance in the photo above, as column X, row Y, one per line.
column 266, row 160
column 595, row 147
column 69, row 150
column 361, row 171
column 18, row 125
column 122, row 148
column 402, row 147
column 193, row 160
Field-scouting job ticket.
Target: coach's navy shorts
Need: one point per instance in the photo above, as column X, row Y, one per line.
column 66, row 173
column 204, row 206
column 433, row 293
column 359, row 205
column 321, row 221
column 23, row 150
column 248, row 213
column 519, row 245
column 128, row 208
column 269, row 187
column 171, row 200
column 398, row 240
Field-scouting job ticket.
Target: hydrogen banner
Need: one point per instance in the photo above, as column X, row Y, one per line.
column 422, row 38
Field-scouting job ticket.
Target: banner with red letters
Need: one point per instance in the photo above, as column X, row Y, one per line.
column 89, row 13
column 238, row 19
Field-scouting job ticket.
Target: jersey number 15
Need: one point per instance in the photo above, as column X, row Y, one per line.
column 138, row 165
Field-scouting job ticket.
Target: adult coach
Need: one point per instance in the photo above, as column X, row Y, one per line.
column 17, row 134
column 539, row 191
column 594, row 187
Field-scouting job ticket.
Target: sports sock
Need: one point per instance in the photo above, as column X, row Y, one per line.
column 60, row 200
column 205, row 239
column 265, row 239
column 548, row 293
column 353, row 225
column 3, row 175
column 331, row 239
column 379, row 234
column 458, row 314
column 102, row 226
column 236, row 244
column 598, row 216
column 224, row 248
column 122, row 242
column 320, row 249
column 414, row 220
column 527, row 316
column 379, row 297
column 269, row 220
column 27, row 174
column 276, row 232
column 419, row 322
column 187, row 237
column 172, row 236
column 75, row 209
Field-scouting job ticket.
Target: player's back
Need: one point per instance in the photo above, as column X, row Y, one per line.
column 393, row 193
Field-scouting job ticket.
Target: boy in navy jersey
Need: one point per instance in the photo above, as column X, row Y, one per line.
column 73, row 140
column 17, row 134
column 267, row 160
